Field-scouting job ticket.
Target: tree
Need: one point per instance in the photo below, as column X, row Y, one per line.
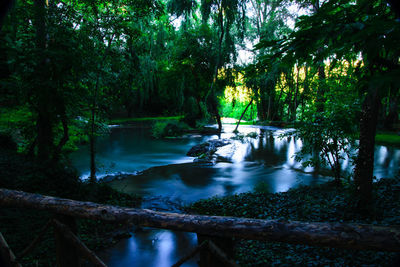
column 345, row 30
column 332, row 130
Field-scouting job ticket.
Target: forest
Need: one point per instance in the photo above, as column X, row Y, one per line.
column 289, row 110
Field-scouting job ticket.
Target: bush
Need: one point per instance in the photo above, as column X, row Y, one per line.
column 168, row 129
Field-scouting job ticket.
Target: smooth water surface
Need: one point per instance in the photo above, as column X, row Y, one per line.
column 168, row 178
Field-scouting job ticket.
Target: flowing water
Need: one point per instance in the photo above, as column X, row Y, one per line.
column 168, row 179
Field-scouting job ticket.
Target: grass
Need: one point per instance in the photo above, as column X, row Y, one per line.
column 242, row 123
column 140, row 119
column 388, row 138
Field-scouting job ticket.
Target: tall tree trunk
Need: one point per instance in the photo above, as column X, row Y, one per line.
column 65, row 137
column 288, row 99
column 295, row 102
column 320, row 100
column 42, row 89
column 363, row 173
column 92, row 134
column 212, row 101
column 93, row 109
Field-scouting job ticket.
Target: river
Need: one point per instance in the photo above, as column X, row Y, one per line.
column 168, row 179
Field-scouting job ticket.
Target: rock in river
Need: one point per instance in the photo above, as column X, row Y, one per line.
column 208, row 147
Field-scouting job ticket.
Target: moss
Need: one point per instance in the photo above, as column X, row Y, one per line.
column 323, row 203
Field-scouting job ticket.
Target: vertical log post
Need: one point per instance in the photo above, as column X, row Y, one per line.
column 207, row 258
column 7, row 257
column 67, row 254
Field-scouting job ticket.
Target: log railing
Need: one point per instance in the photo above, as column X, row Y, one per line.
column 350, row 236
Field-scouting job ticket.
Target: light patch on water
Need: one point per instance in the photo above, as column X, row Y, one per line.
column 308, row 169
column 241, row 152
column 285, row 182
column 226, row 151
column 382, row 154
column 164, row 245
column 279, row 143
column 291, row 153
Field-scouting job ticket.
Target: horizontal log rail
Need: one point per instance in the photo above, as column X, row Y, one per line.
column 350, row 236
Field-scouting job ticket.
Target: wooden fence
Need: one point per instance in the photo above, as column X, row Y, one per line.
column 215, row 232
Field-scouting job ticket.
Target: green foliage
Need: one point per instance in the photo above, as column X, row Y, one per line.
column 168, row 129
column 235, row 110
column 388, row 139
column 18, row 122
column 328, row 135
column 140, row 119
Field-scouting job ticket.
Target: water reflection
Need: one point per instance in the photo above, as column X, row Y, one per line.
column 170, row 174
column 151, row 247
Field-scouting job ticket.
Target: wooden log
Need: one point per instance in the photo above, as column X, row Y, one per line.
column 78, row 244
column 341, row 235
column 7, row 257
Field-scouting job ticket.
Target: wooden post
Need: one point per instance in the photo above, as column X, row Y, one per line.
column 67, row 254
column 84, row 251
column 7, row 257
column 208, row 257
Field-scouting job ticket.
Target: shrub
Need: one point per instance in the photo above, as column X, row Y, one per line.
column 168, row 129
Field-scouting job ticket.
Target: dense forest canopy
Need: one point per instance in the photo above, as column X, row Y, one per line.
column 67, row 67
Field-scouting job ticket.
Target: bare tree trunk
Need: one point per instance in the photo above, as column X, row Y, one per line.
column 244, row 112
column 92, row 134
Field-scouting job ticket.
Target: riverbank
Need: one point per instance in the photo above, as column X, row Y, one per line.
column 143, row 119
column 321, row 203
column 388, row 138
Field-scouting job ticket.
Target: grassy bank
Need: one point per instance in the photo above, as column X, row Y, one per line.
column 323, row 203
column 143, row 119
column 21, row 226
column 388, row 138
